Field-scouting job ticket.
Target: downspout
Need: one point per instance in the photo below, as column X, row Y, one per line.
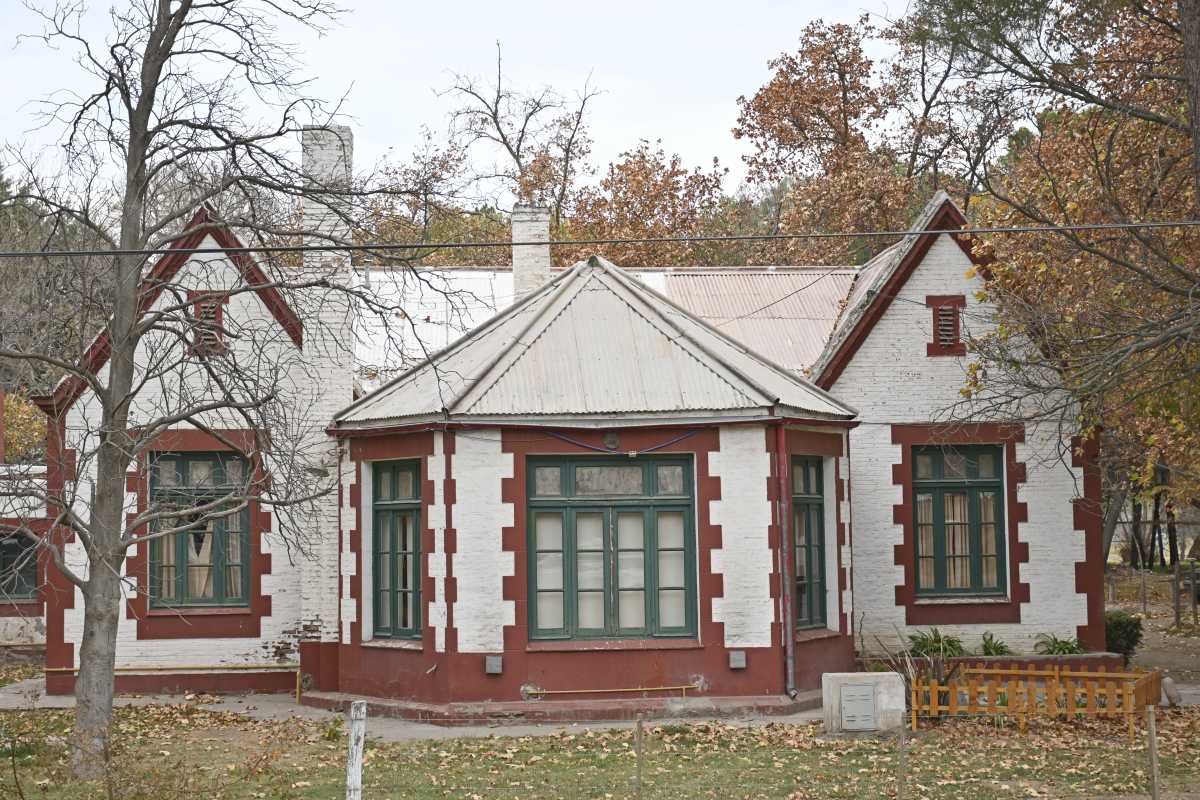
column 785, row 573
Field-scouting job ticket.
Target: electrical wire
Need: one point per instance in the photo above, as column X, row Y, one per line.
column 750, row 237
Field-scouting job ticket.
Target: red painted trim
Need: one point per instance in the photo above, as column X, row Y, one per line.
column 194, row 622
column 965, row 613
column 21, row 608
column 164, row 270
column 1088, row 518
column 613, row 645
column 947, row 216
column 936, row 302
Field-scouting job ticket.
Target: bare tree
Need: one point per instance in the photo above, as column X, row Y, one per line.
column 192, row 111
column 540, row 137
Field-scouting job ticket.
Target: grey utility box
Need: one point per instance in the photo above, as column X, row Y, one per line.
column 493, row 665
column 855, row 702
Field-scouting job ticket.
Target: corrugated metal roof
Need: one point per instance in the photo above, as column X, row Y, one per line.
column 593, row 342
column 785, row 314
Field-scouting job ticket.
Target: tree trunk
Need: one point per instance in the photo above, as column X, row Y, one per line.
column 1135, row 535
column 94, row 681
column 1189, row 28
column 1172, row 535
column 1112, row 516
column 1156, row 531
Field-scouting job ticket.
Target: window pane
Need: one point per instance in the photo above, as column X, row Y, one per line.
column 548, row 531
column 233, row 549
column 987, row 465
column 166, row 472
column 608, row 480
column 670, row 529
column 591, row 610
column 991, row 577
column 589, row 531
column 958, row 546
column 384, row 615
column 405, row 605
column 801, row 526
column 233, row 472
column 590, row 570
column 199, row 473
column 631, row 568
column 550, row 609
column 670, row 569
column 954, row 465
column 671, row 608
column 233, row 522
column 925, row 564
column 547, row 481
column 670, row 479
column 924, row 466
column 631, row 610
column 233, row 583
column 384, row 484
column 630, row 531
column 408, row 535
column 814, row 477
column 549, row 571
column 383, row 571
column 406, row 488
column 803, row 612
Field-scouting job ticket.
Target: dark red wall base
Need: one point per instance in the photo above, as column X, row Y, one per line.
column 60, row 683
column 821, row 654
column 319, row 664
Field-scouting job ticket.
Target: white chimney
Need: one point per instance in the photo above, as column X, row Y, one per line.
column 530, row 263
column 327, row 158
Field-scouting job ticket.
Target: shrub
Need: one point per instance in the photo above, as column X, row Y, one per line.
column 935, row 644
column 993, row 646
column 1123, row 632
column 1050, row 645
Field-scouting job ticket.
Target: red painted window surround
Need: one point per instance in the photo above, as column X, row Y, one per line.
column 947, row 325
column 199, row 623
column 208, row 337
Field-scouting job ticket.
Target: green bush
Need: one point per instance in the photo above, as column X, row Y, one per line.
column 935, row 644
column 993, row 646
column 1123, row 632
column 1050, row 645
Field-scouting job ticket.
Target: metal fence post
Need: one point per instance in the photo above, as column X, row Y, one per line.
column 1152, row 746
column 1176, row 582
column 901, row 766
column 1194, row 594
column 1145, row 606
column 354, row 760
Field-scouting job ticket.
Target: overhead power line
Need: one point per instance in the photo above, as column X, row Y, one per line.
column 749, row 237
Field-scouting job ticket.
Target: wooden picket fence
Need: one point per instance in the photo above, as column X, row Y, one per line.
column 1022, row 693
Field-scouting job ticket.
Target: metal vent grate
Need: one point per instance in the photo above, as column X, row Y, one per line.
column 947, row 326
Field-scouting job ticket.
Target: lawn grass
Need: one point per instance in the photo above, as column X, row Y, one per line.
column 185, row 751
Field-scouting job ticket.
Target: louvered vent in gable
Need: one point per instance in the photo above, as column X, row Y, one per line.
column 207, row 323
column 946, row 339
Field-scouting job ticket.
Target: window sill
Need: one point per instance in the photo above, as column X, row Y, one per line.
column 968, row 599
column 21, row 607
column 395, row 644
column 199, row 611
column 602, row 645
column 814, row 634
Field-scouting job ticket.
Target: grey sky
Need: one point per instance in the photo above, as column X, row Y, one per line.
column 669, row 70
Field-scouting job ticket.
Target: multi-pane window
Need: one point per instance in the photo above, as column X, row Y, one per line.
column 206, row 562
column 612, row 548
column 808, row 531
column 396, row 502
column 959, row 517
column 18, row 568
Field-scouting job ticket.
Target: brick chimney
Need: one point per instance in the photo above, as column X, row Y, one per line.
column 327, row 154
column 530, row 263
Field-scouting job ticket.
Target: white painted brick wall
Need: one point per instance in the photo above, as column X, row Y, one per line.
column 436, row 472
column 480, row 562
column 745, row 560
column 891, row 380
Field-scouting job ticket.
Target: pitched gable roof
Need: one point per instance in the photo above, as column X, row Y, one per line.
column 592, row 344
column 200, row 226
column 879, row 281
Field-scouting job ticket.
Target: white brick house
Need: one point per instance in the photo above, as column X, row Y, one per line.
column 725, row 479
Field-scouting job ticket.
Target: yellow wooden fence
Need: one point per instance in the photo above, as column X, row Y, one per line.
column 1050, row 692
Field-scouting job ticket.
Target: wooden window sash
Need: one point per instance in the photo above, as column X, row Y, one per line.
column 812, row 505
column 388, row 519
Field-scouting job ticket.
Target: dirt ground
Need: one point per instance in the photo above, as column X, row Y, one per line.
column 1174, row 651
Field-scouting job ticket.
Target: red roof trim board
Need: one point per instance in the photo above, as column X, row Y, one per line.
column 167, row 266
column 946, row 217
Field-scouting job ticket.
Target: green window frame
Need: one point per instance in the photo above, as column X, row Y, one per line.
column 611, row 547
column 18, row 569
column 958, row 520
column 808, row 535
column 208, row 563
column 396, row 549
